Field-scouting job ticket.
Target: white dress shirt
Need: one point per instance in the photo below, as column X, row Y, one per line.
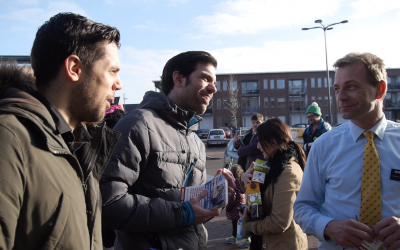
column 332, row 178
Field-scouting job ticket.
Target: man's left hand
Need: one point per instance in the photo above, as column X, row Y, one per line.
column 388, row 231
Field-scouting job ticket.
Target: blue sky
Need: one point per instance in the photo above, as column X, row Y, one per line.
column 244, row 35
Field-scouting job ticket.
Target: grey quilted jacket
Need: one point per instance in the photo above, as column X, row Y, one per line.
column 157, row 153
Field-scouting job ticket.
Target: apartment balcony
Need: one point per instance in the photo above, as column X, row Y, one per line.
column 393, row 87
column 250, row 110
column 391, row 106
column 296, row 91
column 297, row 109
column 251, row 92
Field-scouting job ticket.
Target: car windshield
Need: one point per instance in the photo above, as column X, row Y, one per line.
column 202, row 131
column 216, row 132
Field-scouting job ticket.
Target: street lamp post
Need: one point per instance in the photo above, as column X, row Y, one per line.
column 325, row 28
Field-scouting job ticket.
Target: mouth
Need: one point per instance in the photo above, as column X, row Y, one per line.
column 345, row 108
column 207, row 98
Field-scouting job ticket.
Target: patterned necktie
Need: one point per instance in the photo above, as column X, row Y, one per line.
column 370, row 208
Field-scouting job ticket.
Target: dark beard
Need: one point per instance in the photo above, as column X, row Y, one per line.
column 83, row 105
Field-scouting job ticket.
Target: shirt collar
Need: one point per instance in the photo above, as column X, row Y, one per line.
column 62, row 126
column 378, row 129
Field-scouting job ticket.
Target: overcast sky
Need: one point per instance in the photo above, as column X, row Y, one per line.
column 244, row 35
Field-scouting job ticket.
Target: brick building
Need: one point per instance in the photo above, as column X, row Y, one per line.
column 287, row 95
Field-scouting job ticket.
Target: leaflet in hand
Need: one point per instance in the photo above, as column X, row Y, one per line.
column 217, row 196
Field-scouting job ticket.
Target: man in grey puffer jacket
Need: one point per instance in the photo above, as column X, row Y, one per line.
column 159, row 153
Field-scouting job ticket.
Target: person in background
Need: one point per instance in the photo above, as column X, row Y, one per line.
column 50, row 161
column 317, row 126
column 236, row 199
column 247, row 148
column 278, row 230
column 351, row 184
column 158, row 154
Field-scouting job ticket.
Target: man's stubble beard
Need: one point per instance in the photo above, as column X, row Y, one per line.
column 83, row 105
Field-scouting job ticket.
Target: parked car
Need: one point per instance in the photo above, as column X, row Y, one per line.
column 216, row 137
column 300, row 125
column 230, row 155
column 337, row 125
column 297, row 135
column 202, row 133
column 242, row 131
column 228, row 132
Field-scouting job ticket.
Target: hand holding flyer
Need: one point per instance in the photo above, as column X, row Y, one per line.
column 217, row 196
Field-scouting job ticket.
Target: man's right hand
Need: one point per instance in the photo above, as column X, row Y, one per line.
column 348, row 233
column 202, row 215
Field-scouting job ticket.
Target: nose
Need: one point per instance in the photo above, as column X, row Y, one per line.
column 117, row 84
column 258, row 145
column 341, row 94
column 212, row 88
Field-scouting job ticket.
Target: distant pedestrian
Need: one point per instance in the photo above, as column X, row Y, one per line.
column 317, row 126
column 236, row 199
column 247, row 147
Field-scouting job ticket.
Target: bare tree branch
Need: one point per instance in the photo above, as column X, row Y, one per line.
column 231, row 102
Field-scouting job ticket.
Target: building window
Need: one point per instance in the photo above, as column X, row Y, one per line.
column 266, row 102
column 319, row 82
column 325, row 83
column 233, row 85
column 225, row 101
column 250, row 88
column 218, row 103
column 326, row 101
column 265, row 117
column 226, row 121
column 281, row 102
column 225, row 85
column 319, row 100
column 312, row 82
column 313, row 99
column 330, row 81
column 218, row 85
column 272, row 84
column 219, row 121
column 280, row 84
column 283, row 118
column 272, row 102
column 265, row 83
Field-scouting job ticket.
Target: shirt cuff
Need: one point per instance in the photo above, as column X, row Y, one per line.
column 320, row 226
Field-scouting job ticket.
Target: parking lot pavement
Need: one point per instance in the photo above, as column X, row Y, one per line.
column 219, row 228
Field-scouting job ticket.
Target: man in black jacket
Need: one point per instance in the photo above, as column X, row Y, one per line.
column 158, row 154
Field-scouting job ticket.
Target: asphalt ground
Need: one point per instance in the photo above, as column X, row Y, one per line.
column 219, row 228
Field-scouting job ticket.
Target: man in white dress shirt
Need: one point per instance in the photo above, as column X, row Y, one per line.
column 328, row 203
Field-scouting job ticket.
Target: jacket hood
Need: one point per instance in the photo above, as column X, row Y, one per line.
column 168, row 110
column 14, row 76
column 16, row 86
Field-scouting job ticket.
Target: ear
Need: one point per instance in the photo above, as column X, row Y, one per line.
column 178, row 79
column 381, row 90
column 73, row 67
